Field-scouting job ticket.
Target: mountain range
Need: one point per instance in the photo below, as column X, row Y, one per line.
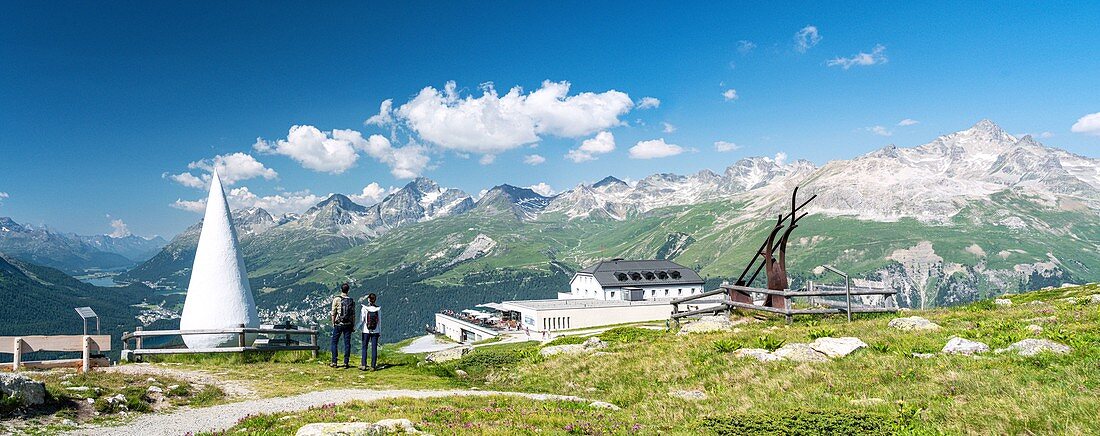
column 972, row 213
column 72, row 253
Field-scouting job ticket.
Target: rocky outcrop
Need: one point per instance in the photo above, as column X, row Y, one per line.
column 29, row 392
column 957, row 345
column 708, row 324
column 758, row 354
column 590, row 345
column 447, row 355
column 913, row 323
column 799, row 352
column 837, row 347
column 1004, row 302
column 1031, row 347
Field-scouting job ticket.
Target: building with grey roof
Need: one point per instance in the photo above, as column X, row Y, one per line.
column 634, row 280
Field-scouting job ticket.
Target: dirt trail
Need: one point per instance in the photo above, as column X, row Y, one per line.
column 232, row 388
column 220, row 417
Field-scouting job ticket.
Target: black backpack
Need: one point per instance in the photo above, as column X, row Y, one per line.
column 372, row 319
column 346, row 314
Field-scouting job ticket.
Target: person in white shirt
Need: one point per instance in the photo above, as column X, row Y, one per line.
column 370, row 323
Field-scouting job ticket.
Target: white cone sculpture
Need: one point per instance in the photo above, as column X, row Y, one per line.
column 218, row 295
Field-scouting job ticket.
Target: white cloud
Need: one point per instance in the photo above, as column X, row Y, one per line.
column 908, row 122
column 533, row 159
column 487, row 159
column 405, row 162
column 314, row 149
column 1043, row 135
column 543, row 189
column 371, row 194
column 806, row 38
column 746, row 47
column 119, row 229
column 654, row 148
column 876, row 56
column 668, row 127
column 649, row 103
column 780, row 158
column 879, row 130
column 197, row 206
column 232, row 168
column 491, row 123
column 1088, row 124
column 242, row 198
column 730, row 94
column 724, row 146
column 3, row 195
column 602, row 143
column 385, row 114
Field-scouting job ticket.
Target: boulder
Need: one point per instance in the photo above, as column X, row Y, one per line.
column 924, row 355
column 385, row 426
column 1094, row 299
column 957, row 345
column 1003, row 302
column 1031, row 347
column 758, row 354
column 30, row 392
column 594, row 343
column 708, row 324
column 589, row 345
column 913, row 323
column 800, row 353
column 692, row 395
column 603, row 405
column 447, row 355
column 460, row 373
column 837, row 347
column 1034, row 329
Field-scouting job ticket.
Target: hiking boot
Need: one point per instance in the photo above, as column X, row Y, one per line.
column 333, row 365
column 362, row 368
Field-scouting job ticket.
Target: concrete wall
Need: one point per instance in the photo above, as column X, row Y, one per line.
column 452, row 328
column 588, row 317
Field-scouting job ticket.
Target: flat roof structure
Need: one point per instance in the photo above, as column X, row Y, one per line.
column 580, row 304
column 618, row 273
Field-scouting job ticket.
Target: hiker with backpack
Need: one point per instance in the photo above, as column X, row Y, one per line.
column 343, row 323
column 370, row 321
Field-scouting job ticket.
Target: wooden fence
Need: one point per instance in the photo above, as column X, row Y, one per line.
column 740, row 297
column 88, row 345
column 273, row 344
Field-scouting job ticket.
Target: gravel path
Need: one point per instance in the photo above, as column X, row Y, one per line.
column 223, row 416
column 232, row 388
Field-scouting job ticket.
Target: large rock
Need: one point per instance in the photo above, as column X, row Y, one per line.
column 385, row 426
column 589, row 345
column 447, row 355
column 1003, row 302
column 1094, row 299
column 708, row 324
column 1031, row 347
column 30, row 392
column 837, row 347
column 758, row 354
column 957, row 345
column 913, row 323
column 800, row 353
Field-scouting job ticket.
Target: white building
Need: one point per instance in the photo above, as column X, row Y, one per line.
column 608, row 293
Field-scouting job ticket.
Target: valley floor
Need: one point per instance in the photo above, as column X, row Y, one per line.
column 663, row 382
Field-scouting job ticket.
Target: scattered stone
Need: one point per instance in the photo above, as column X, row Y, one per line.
column 385, row 426
column 957, row 345
column 1003, row 302
column 758, row 354
column 460, row 373
column 867, row 401
column 708, row 324
column 924, row 355
column 692, row 395
column 151, row 380
column 1094, row 299
column 590, row 390
column 913, row 323
column 1031, row 347
column 603, row 405
column 1034, row 329
column 447, row 355
column 154, row 390
column 30, row 392
column 837, row 347
column 1069, row 300
column 799, row 352
column 589, row 345
column 79, row 389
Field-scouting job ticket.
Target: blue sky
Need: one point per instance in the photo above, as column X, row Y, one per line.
column 103, row 107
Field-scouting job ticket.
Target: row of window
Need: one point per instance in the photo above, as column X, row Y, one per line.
column 556, row 323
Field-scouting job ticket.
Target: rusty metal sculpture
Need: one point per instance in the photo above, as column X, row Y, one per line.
column 774, row 268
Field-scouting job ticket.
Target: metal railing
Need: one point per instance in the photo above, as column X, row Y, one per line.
column 286, row 344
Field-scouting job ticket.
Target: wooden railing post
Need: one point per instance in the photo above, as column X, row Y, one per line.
column 17, row 360
column 240, row 336
column 139, row 339
column 313, row 340
column 86, row 357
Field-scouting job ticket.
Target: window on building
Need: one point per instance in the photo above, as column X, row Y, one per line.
column 680, row 291
column 612, row 294
column 666, row 292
